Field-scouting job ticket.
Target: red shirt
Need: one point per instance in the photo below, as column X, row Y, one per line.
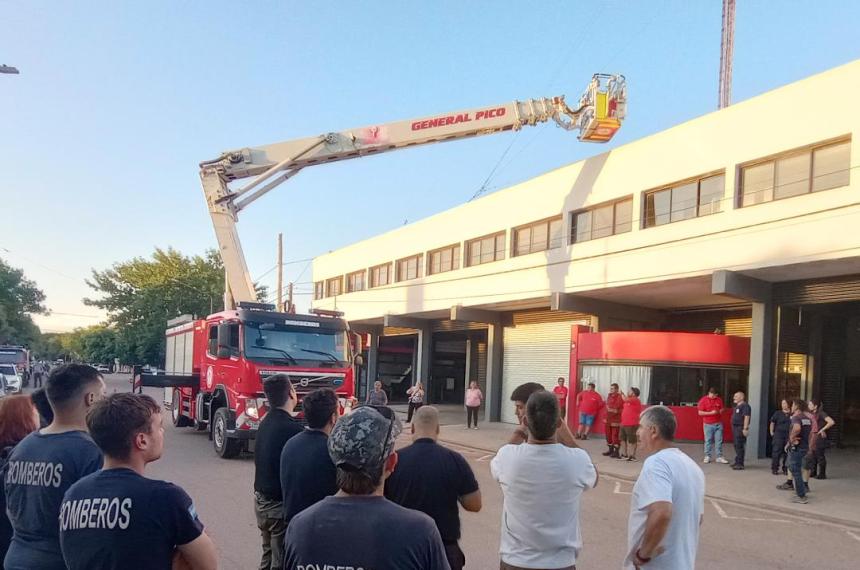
column 614, row 401
column 560, row 393
column 707, row 404
column 631, row 411
column 590, row 402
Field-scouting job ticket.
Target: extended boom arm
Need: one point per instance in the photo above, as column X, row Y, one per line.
column 598, row 116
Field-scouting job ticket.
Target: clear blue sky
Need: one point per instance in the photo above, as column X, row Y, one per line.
column 117, row 103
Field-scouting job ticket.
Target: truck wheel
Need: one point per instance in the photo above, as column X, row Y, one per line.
column 225, row 447
column 176, row 411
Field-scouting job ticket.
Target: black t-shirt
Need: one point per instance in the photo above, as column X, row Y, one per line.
column 40, row 470
column 369, row 533
column 805, row 424
column 307, row 472
column 276, row 428
column 741, row 411
column 781, row 423
column 116, row 519
column 430, row 478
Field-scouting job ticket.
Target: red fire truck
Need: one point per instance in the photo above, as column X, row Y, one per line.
column 215, row 366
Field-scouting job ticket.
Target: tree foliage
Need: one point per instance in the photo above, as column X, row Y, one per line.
column 19, row 298
column 141, row 294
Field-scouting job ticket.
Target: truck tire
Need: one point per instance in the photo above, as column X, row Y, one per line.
column 176, row 411
column 225, row 447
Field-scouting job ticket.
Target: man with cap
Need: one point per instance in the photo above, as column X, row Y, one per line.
column 358, row 527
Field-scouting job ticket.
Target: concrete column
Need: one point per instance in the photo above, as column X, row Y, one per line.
column 372, row 359
column 422, row 359
column 760, row 377
column 493, row 397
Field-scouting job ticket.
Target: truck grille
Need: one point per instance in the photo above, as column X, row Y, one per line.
column 306, row 382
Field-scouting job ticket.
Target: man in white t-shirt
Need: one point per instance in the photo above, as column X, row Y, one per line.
column 542, row 482
column 668, row 499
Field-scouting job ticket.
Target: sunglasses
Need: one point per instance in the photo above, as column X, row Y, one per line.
column 388, row 414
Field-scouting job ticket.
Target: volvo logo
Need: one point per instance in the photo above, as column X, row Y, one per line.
column 304, row 382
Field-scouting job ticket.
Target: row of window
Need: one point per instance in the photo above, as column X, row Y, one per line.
column 800, row 171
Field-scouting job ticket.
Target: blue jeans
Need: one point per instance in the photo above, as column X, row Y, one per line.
column 713, row 432
column 795, row 465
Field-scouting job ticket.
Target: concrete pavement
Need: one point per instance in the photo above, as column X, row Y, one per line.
column 835, row 500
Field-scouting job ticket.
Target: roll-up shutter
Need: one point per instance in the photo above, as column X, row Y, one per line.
column 534, row 352
column 444, row 326
column 833, row 374
column 828, row 290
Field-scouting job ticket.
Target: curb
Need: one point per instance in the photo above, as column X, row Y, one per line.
column 786, row 510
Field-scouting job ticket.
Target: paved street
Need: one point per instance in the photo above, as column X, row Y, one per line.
column 732, row 536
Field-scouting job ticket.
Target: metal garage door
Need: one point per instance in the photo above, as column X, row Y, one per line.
column 537, row 352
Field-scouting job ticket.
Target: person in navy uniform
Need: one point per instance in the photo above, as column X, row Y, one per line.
column 117, row 518
column 44, row 465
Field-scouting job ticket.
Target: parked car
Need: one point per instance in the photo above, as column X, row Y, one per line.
column 103, row 368
column 11, row 378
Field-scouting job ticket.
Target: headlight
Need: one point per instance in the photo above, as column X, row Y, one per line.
column 251, row 408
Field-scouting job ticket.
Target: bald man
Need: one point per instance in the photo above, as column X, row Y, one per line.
column 433, row 479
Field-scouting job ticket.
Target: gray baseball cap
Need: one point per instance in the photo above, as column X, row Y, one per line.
column 364, row 438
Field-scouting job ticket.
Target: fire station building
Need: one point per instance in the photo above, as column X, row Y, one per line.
column 721, row 252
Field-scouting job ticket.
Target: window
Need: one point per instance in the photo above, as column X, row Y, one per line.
column 602, row 221
column 684, row 200
column 537, row 236
column 485, row 249
column 798, row 172
column 684, row 385
column 319, row 290
column 355, row 281
column 444, row 259
column 334, row 286
column 380, row 275
column 213, row 339
column 409, row 268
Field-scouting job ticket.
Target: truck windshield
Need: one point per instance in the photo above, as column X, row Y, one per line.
column 295, row 345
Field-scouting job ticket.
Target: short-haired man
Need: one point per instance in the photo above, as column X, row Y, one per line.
column 359, row 527
column 307, row 473
column 45, row 464
column 740, row 428
column 668, row 499
column 117, row 518
column 630, row 412
column 710, row 410
column 277, row 427
column 560, row 392
column 519, row 397
column 541, row 508
column 589, row 403
column 434, row 480
column 614, row 406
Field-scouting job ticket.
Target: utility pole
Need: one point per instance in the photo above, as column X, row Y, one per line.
column 727, row 49
column 280, row 272
column 290, row 298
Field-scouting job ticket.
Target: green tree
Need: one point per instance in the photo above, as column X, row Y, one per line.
column 141, row 294
column 19, row 298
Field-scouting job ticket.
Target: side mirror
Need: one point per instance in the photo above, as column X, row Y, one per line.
column 358, row 360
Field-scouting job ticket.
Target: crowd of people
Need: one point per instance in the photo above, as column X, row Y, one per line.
column 74, row 462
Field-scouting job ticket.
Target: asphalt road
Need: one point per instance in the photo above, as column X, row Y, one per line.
column 732, row 536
